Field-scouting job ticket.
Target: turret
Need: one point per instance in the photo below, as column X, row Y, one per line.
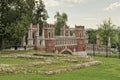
column 49, row 36
column 80, row 35
column 65, row 31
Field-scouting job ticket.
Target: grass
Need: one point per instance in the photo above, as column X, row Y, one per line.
column 111, row 55
column 51, row 67
column 18, row 52
column 59, row 62
column 46, row 61
column 109, row 70
column 17, row 60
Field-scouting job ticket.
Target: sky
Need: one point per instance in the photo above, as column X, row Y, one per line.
column 88, row 13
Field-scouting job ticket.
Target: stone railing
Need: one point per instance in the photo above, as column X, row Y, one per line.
column 66, row 41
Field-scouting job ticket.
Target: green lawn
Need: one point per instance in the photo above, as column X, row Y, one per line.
column 112, row 55
column 109, row 70
column 18, row 52
column 54, row 66
column 17, row 60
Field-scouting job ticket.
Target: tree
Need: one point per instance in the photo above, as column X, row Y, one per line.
column 106, row 30
column 40, row 14
column 117, row 41
column 1, row 35
column 61, row 20
column 58, row 23
column 15, row 18
column 12, row 15
column 19, row 30
column 64, row 18
column 30, row 7
column 92, row 36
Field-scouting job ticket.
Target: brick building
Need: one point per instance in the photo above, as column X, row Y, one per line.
column 49, row 42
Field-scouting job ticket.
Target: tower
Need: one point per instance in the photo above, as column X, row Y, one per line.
column 65, row 31
column 49, row 36
column 80, row 35
column 33, row 35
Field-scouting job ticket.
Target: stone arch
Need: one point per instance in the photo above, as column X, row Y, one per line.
column 66, row 49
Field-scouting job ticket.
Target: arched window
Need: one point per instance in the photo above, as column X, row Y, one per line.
column 49, row 35
column 40, row 42
column 33, row 35
column 80, row 34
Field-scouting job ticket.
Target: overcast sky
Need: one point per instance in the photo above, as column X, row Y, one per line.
column 85, row 12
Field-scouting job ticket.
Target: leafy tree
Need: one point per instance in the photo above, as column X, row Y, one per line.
column 61, row 20
column 40, row 14
column 30, row 6
column 58, row 23
column 64, row 18
column 12, row 15
column 92, row 36
column 116, row 38
column 15, row 18
column 71, row 32
column 106, row 30
column 19, row 30
column 119, row 37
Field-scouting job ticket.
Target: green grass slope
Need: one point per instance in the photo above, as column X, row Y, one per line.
column 109, row 70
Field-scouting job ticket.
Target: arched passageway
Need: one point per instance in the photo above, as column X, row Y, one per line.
column 66, row 51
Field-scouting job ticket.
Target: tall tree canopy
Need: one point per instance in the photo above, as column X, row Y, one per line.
column 11, row 11
column 15, row 18
column 106, row 30
column 40, row 14
column 92, row 36
column 61, row 20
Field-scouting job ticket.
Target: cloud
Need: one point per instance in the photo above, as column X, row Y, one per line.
column 89, row 18
column 112, row 6
column 53, row 3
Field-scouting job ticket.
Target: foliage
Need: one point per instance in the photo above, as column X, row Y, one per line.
column 11, row 12
column 92, row 36
column 30, row 7
column 61, row 20
column 106, row 30
column 40, row 14
column 71, row 32
column 15, row 18
column 119, row 37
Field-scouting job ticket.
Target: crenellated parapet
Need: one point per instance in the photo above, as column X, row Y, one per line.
column 49, row 42
column 48, row 26
column 65, row 31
